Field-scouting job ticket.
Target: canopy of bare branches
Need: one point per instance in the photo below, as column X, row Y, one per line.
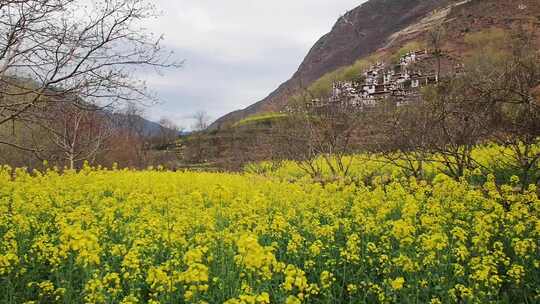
column 52, row 50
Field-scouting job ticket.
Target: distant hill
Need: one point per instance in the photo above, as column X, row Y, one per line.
column 147, row 127
column 386, row 25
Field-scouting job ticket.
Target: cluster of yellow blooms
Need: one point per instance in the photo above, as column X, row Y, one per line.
column 121, row 236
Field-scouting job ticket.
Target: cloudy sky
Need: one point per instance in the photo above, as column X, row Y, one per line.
column 236, row 51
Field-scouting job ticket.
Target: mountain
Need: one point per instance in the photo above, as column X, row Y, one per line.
column 150, row 128
column 385, row 25
column 142, row 125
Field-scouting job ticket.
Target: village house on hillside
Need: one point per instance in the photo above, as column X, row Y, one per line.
column 401, row 82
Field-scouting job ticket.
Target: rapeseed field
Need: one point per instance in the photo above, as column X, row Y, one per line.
column 121, row 236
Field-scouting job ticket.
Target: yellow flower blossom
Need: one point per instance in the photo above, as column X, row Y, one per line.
column 327, row 279
column 397, row 283
column 292, row 300
column 516, row 272
column 127, row 236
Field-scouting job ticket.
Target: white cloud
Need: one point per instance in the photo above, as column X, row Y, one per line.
column 236, row 51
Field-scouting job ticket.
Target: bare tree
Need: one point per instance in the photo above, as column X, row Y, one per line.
column 519, row 129
column 457, row 125
column 293, row 139
column 505, row 78
column 168, row 133
column 491, row 99
column 201, row 121
column 131, row 125
column 436, row 38
column 67, row 50
column 400, row 135
column 313, row 133
column 73, row 134
column 199, row 146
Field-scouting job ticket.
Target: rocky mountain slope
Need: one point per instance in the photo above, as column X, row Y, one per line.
column 386, row 24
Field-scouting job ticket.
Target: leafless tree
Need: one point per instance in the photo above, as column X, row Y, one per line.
column 400, row 135
column 73, row 134
column 293, row 139
column 436, row 38
column 506, row 79
column 201, row 121
column 198, row 141
column 168, row 132
column 457, row 125
column 492, row 99
column 83, row 49
column 320, row 136
column 131, row 125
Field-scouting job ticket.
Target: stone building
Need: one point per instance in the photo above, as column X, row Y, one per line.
column 400, row 82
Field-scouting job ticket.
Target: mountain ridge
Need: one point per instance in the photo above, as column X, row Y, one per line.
column 359, row 32
column 383, row 24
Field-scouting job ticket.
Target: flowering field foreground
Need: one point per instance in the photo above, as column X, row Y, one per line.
column 161, row 237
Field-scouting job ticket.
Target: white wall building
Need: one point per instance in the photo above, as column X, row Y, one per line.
column 381, row 82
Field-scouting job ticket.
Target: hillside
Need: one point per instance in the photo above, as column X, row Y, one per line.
column 66, row 126
column 147, row 127
column 385, row 25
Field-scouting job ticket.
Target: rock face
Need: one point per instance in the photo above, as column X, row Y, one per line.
column 374, row 25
